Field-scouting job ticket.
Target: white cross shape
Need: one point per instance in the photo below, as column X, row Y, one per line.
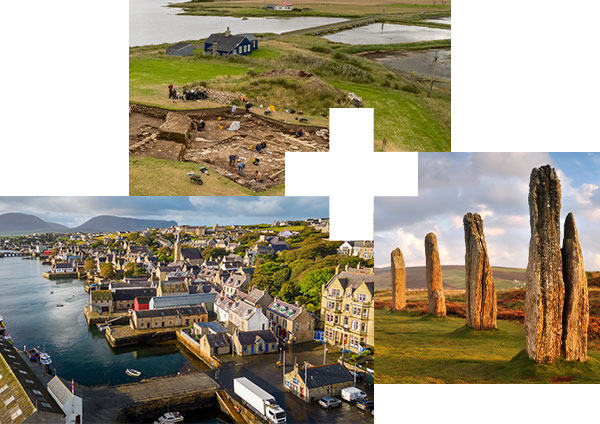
column 351, row 173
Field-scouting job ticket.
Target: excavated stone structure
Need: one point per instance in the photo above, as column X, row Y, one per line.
column 435, row 290
column 544, row 297
column 398, row 281
column 480, row 288
column 576, row 314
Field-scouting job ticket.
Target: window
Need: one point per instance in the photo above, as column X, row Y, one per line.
column 37, row 392
column 363, row 327
column 365, row 312
column 347, row 307
column 345, row 321
column 361, row 297
column 308, row 326
column 9, row 400
column 3, row 388
column 15, row 414
column 349, row 293
column 297, row 326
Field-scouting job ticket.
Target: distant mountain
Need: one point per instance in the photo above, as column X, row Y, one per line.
column 108, row 223
column 453, row 277
column 13, row 224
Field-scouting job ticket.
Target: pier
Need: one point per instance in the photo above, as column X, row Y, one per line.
column 60, row 275
column 94, row 318
column 12, row 254
column 126, row 336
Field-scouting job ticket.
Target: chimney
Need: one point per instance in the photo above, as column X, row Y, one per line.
column 228, row 32
column 337, row 269
column 346, row 267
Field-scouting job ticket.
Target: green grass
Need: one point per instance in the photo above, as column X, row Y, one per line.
column 425, row 349
column 409, row 122
column 158, row 177
column 150, row 76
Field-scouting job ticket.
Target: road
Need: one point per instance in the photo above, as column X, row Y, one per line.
column 262, row 371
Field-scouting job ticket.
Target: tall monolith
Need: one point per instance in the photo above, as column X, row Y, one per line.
column 480, row 288
column 435, row 290
column 544, row 297
column 398, row 281
column 576, row 313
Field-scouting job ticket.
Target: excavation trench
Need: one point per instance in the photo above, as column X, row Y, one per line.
column 213, row 145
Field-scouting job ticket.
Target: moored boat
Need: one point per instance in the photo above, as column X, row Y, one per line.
column 132, row 373
column 170, row 417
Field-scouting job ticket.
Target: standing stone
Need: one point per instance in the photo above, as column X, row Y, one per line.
column 576, row 314
column 544, row 297
column 480, row 288
column 398, row 281
column 435, row 290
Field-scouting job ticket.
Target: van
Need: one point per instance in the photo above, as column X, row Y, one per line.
column 352, row 394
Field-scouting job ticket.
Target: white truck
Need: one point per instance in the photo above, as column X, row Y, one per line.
column 259, row 400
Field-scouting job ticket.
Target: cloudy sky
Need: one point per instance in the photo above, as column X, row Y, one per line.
column 496, row 186
column 73, row 211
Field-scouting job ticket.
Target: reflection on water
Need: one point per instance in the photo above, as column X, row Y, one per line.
column 150, row 22
column 419, row 62
column 33, row 319
column 440, row 21
column 388, row 34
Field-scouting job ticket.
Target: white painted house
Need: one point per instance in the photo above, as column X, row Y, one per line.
column 284, row 6
column 71, row 405
column 248, row 318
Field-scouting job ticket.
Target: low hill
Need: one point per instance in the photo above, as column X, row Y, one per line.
column 12, row 224
column 453, row 277
column 108, row 223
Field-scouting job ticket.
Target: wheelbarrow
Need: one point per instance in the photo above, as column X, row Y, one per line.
column 195, row 178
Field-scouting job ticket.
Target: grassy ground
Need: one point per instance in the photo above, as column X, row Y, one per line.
column 341, row 8
column 408, row 119
column 424, row 349
column 156, row 177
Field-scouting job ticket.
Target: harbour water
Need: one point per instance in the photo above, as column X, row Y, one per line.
column 152, row 22
column 28, row 304
column 388, row 34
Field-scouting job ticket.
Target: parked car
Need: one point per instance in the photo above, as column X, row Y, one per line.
column 365, row 404
column 329, row 402
column 352, row 394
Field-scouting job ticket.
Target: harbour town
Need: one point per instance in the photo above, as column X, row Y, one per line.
column 178, row 323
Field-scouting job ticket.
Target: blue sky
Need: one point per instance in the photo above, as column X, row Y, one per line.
column 73, row 211
column 496, row 186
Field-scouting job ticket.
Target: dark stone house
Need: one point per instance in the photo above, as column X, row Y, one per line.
column 227, row 44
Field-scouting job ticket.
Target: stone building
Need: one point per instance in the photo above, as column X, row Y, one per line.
column 311, row 383
column 347, row 309
column 254, row 342
column 171, row 317
column 291, row 323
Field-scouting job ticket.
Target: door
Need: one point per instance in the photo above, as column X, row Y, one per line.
column 252, row 349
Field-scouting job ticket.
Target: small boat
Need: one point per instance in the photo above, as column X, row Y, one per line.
column 132, row 373
column 45, row 359
column 170, row 417
column 51, row 292
column 130, row 311
column 60, row 305
column 102, row 327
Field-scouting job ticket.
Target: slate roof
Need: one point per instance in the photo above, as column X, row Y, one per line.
column 101, row 295
column 247, row 338
column 284, row 309
column 254, row 296
column 174, row 287
column 217, row 340
column 191, row 253
column 131, row 294
column 324, row 375
column 59, row 390
column 189, row 300
column 178, row 46
column 215, row 326
column 354, row 278
column 227, row 44
column 148, row 313
column 23, row 385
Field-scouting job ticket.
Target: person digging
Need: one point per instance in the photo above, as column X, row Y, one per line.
column 258, row 177
column 232, row 159
column 241, row 168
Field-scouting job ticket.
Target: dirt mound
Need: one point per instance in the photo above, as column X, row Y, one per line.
column 287, row 73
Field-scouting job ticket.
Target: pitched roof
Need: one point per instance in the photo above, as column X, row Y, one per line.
column 217, row 340
column 251, row 337
column 324, row 375
column 226, row 44
column 59, row 390
column 191, row 253
column 284, row 309
column 131, row 294
column 194, row 310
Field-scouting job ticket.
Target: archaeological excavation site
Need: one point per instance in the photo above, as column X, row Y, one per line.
column 217, row 140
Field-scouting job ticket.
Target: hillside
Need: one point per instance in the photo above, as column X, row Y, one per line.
column 453, row 277
column 12, row 224
column 108, row 223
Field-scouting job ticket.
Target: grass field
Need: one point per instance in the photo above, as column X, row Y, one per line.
column 424, row 349
column 156, row 177
column 405, row 116
column 341, row 8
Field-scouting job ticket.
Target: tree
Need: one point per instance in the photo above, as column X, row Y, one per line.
column 133, row 269
column 107, row 270
column 288, row 292
column 310, row 285
column 89, row 265
column 213, row 252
